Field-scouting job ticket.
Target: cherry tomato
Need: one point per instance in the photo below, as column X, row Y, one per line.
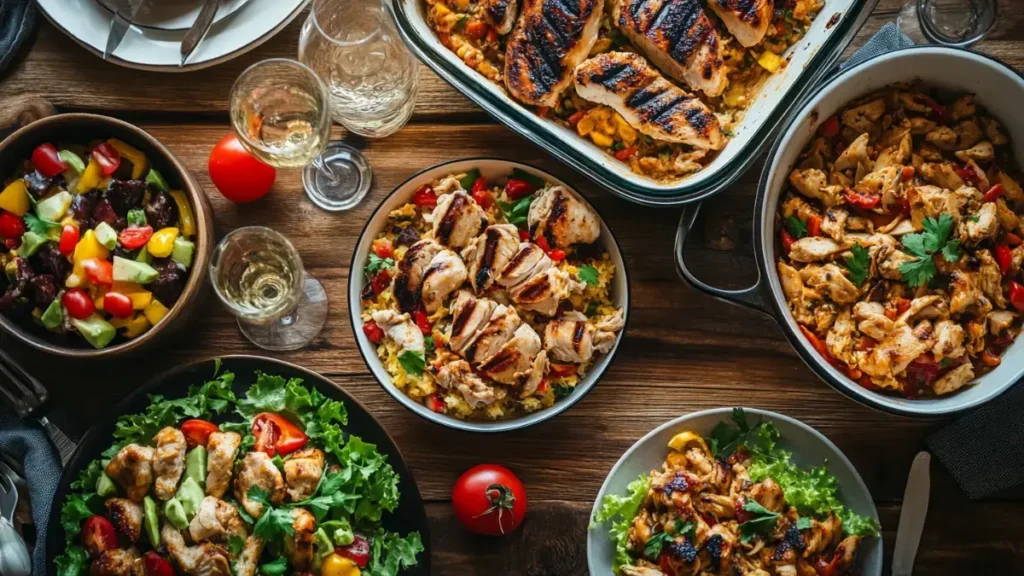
column 830, row 127
column 561, row 370
column 358, row 551
column 425, row 197
column 435, row 403
column 993, row 193
column 156, row 565
column 862, row 201
column 12, row 226
column 814, row 225
column 576, row 117
column 373, row 332
column 420, row 317
column 516, row 188
column 489, row 499
column 98, row 534
column 476, row 29
column 275, row 434
column 625, row 153
column 69, row 239
column 383, row 249
column 117, row 304
column 483, row 198
column 380, row 281
column 78, row 303
column 557, row 255
column 197, row 432
column 47, row 160
column 524, row 235
column 99, row 271
column 787, row 240
column 107, row 157
column 135, row 237
column 1017, row 296
column 237, row 174
column 1004, row 257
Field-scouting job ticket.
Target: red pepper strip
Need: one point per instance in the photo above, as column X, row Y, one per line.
column 373, row 332
column 576, row 117
column 787, row 241
column 425, row 197
column 1004, row 257
column 863, row 201
column 625, row 153
column 830, row 127
column 993, row 193
column 275, row 434
column 814, row 225
column 420, row 317
column 107, row 157
column 1017, row 296
column 557, row 255
column 818, row 345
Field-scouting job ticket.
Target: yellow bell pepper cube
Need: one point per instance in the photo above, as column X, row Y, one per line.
column 188, row 219
column 161, row 244
column 601, row 139
column 87, row 247
column 98, row 292
column 14, row 198
column 134, row 327
column 91, row 178
column 770, row 61
column 139, row 162
column 155, row 311
column 140, row 300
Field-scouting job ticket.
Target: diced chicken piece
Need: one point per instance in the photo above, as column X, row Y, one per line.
column 916, row 306
column 967, row 295
column 899, row 348
column 944, row 138
column 248, row 559
column 949, row 340
column 126, row 516
column 222, row 448
column 830, row 280
column 769, row 494
column 529, row 261
column 647, row 101
column 168, row 461
column 469, row 317
column 117, row 562
column 501, row 14
column 562, row 219
column 803, row 302
column 299, row 546
column 1008, row 219
column 814, row 184
column 401, row 329
column 572, row 338
column 855, row 155
column 457, row 219
column 942, row 175
column 921, row 126
column 490, row 253
column 747, row 20
column 872, row 320
column 863, row 118
column 216, row 521
column 458, row 375
column 1011, row 189
column 994, row 131
column 822, row 535
column 884, row 182
column 896, row 155
column 258, row 470
column 968, row 133
column 792, row 283
column 980, row 152
column 962, row 108
column 548, row 42
column 499, row 330
column 954, row 380
column 205, row 559
column 840, row 339
column 815, row 249
column 411, row 268
column 302, row 472
column 931, row 201
column 990, row 278
column 984, row 225
column 132, row 468
column 515, row 357
column 1000, row 320
column 799, row 208
column 446, row 274
column 543, row 292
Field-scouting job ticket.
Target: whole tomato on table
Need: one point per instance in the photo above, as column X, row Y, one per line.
column 237, row 174
column 489, row 499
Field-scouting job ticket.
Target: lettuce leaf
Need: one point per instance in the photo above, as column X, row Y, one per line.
column 620, row 511
column 392, row 553
column 213, row 397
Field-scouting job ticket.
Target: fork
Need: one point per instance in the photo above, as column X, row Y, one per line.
column 8, row 493
column 29, row 398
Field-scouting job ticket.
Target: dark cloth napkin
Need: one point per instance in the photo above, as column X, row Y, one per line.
column 18, row 20
column 29, row 444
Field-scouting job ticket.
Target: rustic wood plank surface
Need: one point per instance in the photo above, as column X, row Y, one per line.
column 683, row 351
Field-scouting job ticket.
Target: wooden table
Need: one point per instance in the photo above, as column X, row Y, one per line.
column 683, row 351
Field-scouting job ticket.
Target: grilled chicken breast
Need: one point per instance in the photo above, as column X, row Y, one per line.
column 514, row 357
column 410, row 273
column 747, row 20
column 401, row 329
column 458, row 375
column 457, row 219
column 117, row 562
column 248, row 558
column 132, row 468
column 562, row 219
column 678, row 37
column 469, row 317
column 299, row 546
column 543, row 291
column 572, row 338
column 216, row 521
column 550, row 39
column 444, row 275
column 499, row 329
column 126, row 516
column 202, row 560
column 222, row 449
column 302, row 471
column 528, row 261
column 648, row 101
column 257, row 469
column 489, row 253
column 168, row 461
column 501, row 14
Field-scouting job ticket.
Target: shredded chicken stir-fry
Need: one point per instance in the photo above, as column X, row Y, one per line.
column 901, row 242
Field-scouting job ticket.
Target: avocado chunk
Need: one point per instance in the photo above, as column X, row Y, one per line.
column 53, row 317
column 182, row 251
column 156, row 179
column 105, row 486
column 143, row 256
column 31, row 243
column 195, row 465
column 95, row 330
column 175, row 514
column 131, row 271
column 54, row 207
column 105, row 235
column 191, row 495
column 151, row 520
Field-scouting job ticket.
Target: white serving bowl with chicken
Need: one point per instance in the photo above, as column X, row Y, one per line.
column 964, row 321
column 483, row 307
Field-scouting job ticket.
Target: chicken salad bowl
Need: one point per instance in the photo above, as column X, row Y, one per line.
column 492, row 295
column 268, row 473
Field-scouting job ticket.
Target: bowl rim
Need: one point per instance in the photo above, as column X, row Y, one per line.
column 498, row 426
column 724, row 413
column 950, row 405
column 203, row 215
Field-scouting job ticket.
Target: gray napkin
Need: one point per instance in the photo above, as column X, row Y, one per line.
column 18, row 20
column 28, row 443
column 887, row 39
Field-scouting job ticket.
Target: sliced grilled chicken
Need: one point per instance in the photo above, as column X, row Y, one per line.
column 500, row 328
column 529, row 380
column 410, row 273
column 458, row 375
column 444, row 275
column 457, row 219
column 117, row 562
column 216, row 521
column 126, row 516
column 257, row 469
column 747, row 20
column 562, row 219
column 222, row 449
column 299, row 546
column 543, row 291
column 501, row 14
column 469, row 317
column 132, row 468
column 302, row 471
column 550, row 39
column 572, row 338
column 515, row 357
column 401, row 329
column 489, row 253
column 678, row 37
column 248, row 558
column 527, row 262
column 647, row 101
column 205, row 559
column 168, row 461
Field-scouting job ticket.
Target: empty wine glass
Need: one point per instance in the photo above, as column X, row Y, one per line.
column 258, row 275
column 958, row 23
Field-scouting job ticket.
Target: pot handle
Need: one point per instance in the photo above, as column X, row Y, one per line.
column 749, row 297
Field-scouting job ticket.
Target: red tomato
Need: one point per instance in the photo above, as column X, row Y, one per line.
column 814, row 225
column 787, row 240
column 78, row 303
column 557, row 255
column 275, row 434
column 12, row 226
column 156, row 565
column 47, row 160
column 420, row 317
column 98, row 534
column 358, row 551
column 993, row 193
column 1004, row 257
column 577, row 116
column 561, row 370
column 830, row 127
column 516, row 188
column 383, row 249
column 524, row 235
column 373, row 332
column 117, row 304
column 1017, row 296
column 479, row 184
column 625, row 153
column 69, row 239
column 135, row 237
column 237, row 174
column 435, row 403
column 425, row 197
column 99, row 271
column 197, row 432
column 907, row 173
column 862, row 201
column 489, row 499
column 107, row 157
column 483, row 198
column 380, row 281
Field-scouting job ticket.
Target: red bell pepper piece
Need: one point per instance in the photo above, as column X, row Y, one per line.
column 1017, row 296
column 576, row 117
column 625, row 153
column 993, row 193
column 420, row 317
column 558, row 370
column 862, row 201
column 373, row 332
column 1004, row 257
column 435, row 403
column 814, row 225
column 276, row 435
column 830, row 127
column 516, row 188
column 107, row 157
column 787, row 241
column 425, row 197
column 383, row 249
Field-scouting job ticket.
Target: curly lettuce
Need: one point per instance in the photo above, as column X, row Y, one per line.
column 620, row 511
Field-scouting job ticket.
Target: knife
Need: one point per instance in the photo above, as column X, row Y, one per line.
column 199, row 29
column 915, row 508
column 120, row 23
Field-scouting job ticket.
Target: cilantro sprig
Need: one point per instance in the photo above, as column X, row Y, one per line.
column 796, row 227
column 588, row 275
column 936, row 238
column 858, row 264
column 376, row 264
column 761, row 522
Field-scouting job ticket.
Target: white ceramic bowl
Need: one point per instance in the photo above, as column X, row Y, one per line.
column 809, row 448
column 492, row 169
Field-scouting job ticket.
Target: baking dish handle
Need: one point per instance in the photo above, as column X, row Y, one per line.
column 749, row 297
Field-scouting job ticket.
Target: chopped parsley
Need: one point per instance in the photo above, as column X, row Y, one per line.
column 376, row 264
column 655, row 544
column 796, row 227
column 688, row 529
column 588, row 274
column 428, row 342
column 923, row 245
column 42, row 227
column 235, row 545
column 412, row 362
column 762, row 521
column 516, row 213
column 803, row 523
column 858, row 265
column 137, row 216
column 275, row 568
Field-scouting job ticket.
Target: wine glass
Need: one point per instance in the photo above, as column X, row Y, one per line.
column 370, row 75
column 281, row 114
column 958, row 23
column 258, row 275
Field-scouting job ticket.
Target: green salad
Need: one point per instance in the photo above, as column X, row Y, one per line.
column 215, row 484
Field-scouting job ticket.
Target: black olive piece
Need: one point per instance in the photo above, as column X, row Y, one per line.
column 170, row 282
column 49, row 260
column 161, row 211
column 125, row 195
column 44, row 289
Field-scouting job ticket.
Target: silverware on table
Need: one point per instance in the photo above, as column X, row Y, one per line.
column 199, row 29
column 14, row 556
column 29, row 398
column 120, row 23
column 915, row 509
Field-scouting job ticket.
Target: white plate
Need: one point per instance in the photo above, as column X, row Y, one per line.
column 809, row 448
column 176, row 14
column 159, row 50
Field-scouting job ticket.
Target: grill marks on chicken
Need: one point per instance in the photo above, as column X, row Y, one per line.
column 216, row 521
column 126, row 516
column 457, row 219
column 206, row 559
column 410, row 273
column 132, row 468
column 572, row 338
column 302, row 472
column 168, row 461
column 747, row 20
column 257, row 469
column 501, row 14
column 489, row 253
column 427, row 274
column 222, row 448
column 562, row 219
